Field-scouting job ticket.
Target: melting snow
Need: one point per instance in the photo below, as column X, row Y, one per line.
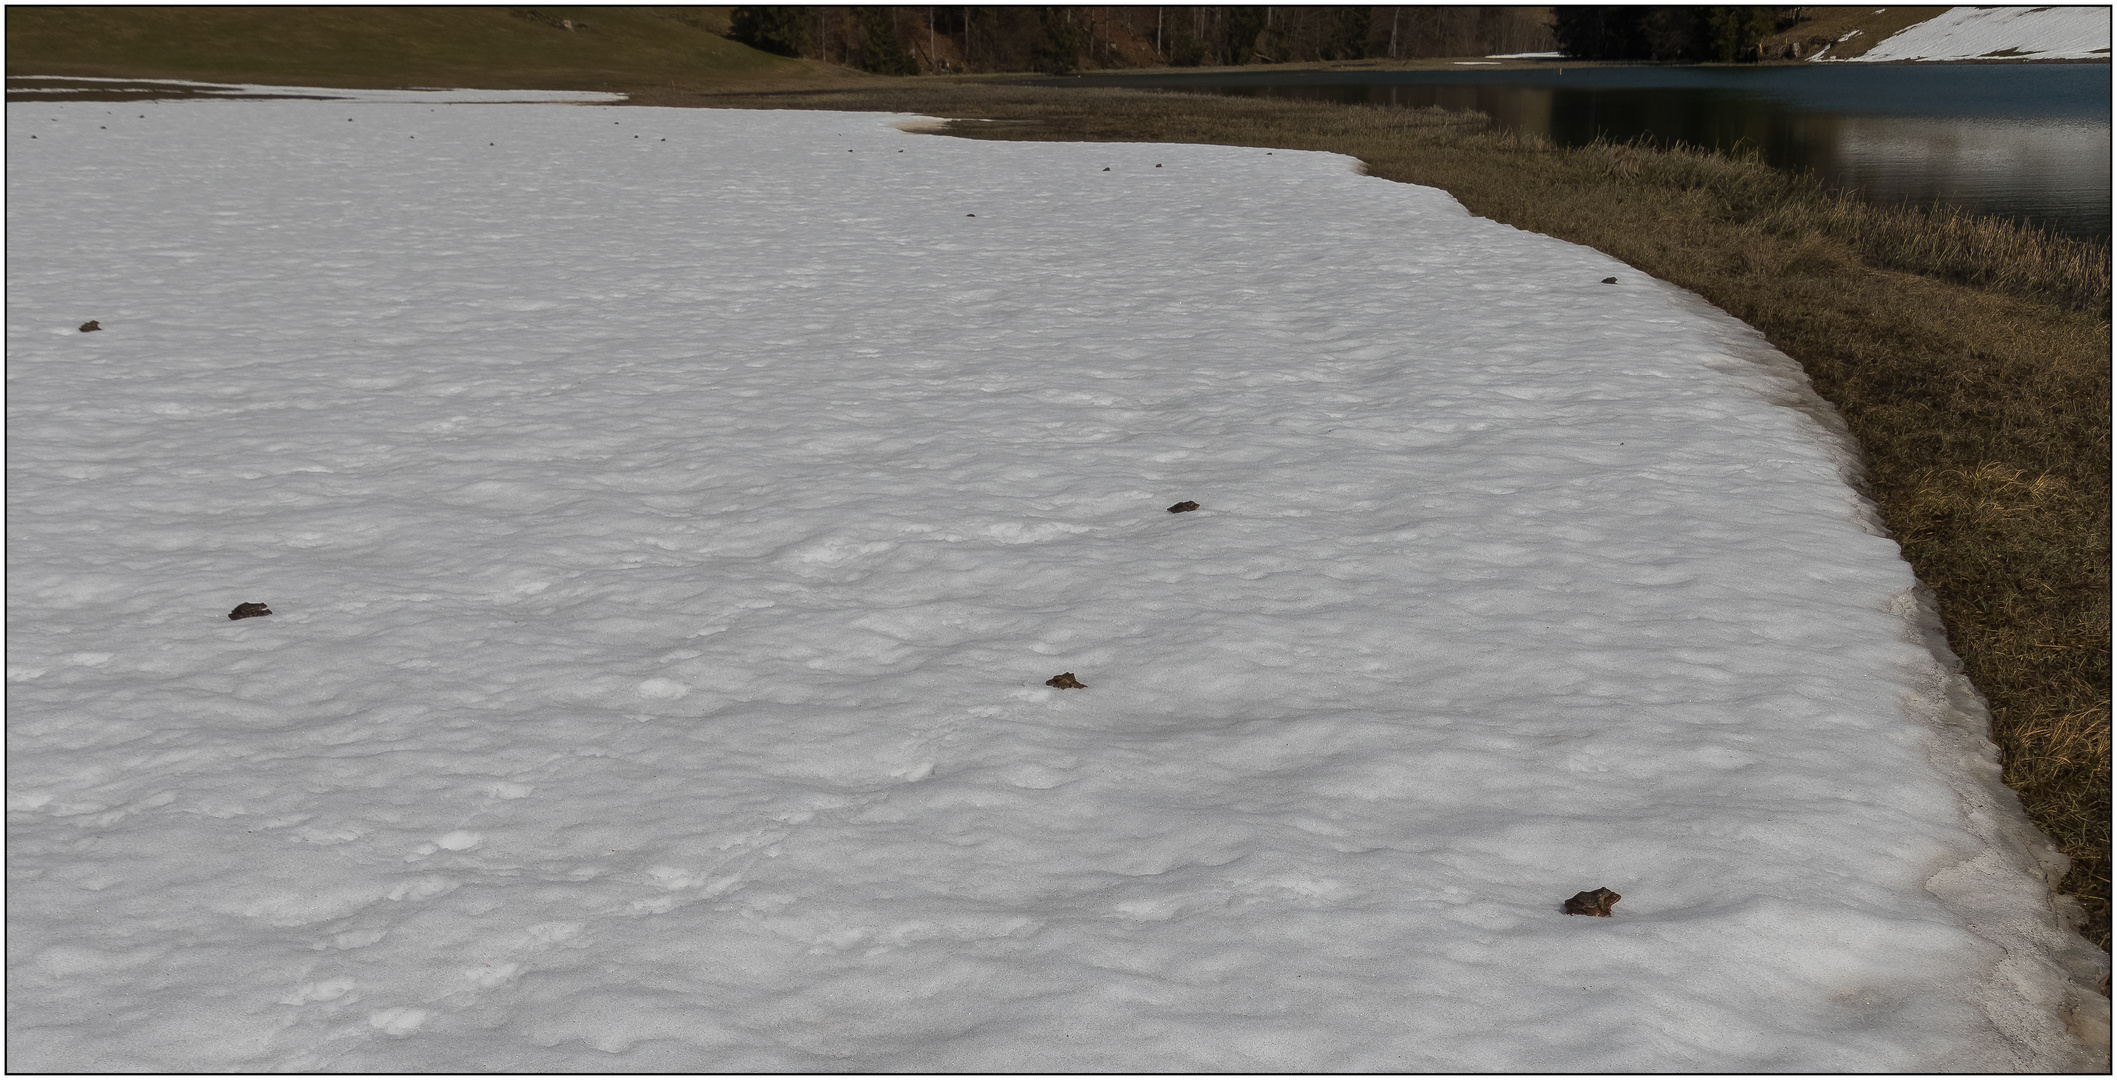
column 1972, row 33
column 670, row 519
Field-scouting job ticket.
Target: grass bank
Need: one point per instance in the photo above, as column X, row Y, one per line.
column 1969, row 356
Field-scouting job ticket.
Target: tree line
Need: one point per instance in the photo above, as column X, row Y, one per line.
column 1669, row 34
column 1058, row 40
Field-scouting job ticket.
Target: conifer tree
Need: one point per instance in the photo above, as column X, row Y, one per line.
column 1347, row 34
column 780, row 30
column 1239, row 27
column 1736, row 31
column 880, row 51
column 1058, row 46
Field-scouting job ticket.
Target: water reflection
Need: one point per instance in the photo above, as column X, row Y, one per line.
column 2018, row 168
column 2029, row 141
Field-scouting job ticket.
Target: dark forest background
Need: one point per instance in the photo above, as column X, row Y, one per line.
column 1058, row 40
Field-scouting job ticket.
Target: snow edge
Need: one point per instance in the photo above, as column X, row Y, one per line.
column 2040, row 995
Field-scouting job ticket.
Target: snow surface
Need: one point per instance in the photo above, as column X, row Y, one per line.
column 669, row 541
column 1972, row 33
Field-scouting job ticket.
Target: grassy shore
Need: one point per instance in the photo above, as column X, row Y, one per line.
column 1969, row 357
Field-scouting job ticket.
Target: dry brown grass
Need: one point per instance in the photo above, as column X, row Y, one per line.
column 1970, row 358
column 1944, row 243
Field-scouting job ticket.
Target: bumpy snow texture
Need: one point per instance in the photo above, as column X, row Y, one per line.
column 667, row 543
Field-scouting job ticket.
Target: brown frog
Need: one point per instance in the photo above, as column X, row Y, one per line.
column 1066, row 681
column 249, row 611
column 91, row 326
column 1592, row 903
column 1183, row 507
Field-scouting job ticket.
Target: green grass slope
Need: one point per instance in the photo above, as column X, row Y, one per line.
column 606, row 48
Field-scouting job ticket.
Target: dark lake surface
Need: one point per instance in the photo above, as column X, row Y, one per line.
column 2027, row 141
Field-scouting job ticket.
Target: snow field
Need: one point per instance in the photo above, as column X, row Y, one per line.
column 1971, row 33
column 669, row 541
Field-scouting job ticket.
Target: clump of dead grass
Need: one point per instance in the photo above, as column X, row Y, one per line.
column 1941, row 242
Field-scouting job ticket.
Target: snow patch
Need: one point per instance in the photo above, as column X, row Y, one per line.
column 1976, row 33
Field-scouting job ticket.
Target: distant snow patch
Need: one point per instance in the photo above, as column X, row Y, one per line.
column 1974, row 33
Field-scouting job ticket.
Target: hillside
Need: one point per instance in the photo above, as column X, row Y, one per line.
column 2012, row 33
column 1842, row 33
column 1944, row 33
column 573, row 48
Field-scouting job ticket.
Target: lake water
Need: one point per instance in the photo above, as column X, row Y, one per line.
column 2027, row 141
